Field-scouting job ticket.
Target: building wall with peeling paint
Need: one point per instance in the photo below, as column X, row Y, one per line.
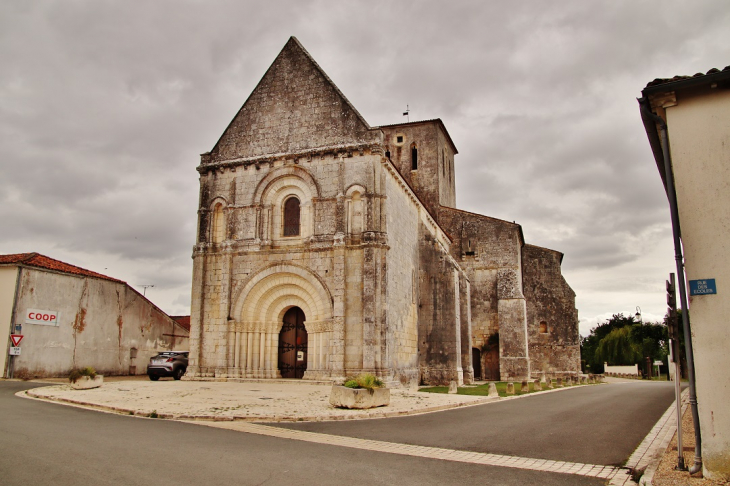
column 99, row 323
column 8, row 278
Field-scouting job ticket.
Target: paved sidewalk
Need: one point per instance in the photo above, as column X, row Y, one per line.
column 272, row 401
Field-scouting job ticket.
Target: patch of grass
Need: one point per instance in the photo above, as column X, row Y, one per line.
column 77, row 373
column 154, row 414
column 364, row 381
column 483, row 390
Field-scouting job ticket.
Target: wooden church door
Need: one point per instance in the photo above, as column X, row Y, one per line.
column 293, row 345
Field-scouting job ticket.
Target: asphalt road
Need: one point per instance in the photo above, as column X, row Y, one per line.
column 43, row 443
column 588, row 424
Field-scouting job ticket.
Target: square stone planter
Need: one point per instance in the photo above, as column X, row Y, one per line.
column 85, row 383
column 343, row 397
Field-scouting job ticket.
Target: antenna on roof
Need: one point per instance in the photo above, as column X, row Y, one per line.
column 144, row 289
column 406, row 113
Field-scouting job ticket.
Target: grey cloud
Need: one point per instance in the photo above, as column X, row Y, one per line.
column 106, row 106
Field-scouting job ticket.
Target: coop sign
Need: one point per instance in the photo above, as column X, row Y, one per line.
column 42, row 317
column 702, row 287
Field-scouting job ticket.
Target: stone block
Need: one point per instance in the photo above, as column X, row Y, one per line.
column 510, row 388
column 537, row 385
column 559, row 383
column 360, row 398
column 453, row 387
column 493, row 390
column 525, row 387
column 87, row 383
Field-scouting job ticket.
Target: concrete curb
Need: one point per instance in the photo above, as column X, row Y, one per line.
column 649, row 453
column 276, row 418
column 667, row 433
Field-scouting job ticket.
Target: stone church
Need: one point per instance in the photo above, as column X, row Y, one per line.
column 328, row 248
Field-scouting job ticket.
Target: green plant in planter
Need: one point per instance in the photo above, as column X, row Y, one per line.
column 77, row 373
column 365, row 380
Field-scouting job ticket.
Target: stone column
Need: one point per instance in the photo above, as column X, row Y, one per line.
column 249, row 354
column 197, row 312
column 514, row 362
column 459, row 378
column 466, row 357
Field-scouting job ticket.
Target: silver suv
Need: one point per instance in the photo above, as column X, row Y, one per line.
column 168, row 363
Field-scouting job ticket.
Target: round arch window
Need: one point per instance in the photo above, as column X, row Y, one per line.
column 291, row 217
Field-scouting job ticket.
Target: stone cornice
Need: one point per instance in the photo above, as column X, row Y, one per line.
column 347, row 150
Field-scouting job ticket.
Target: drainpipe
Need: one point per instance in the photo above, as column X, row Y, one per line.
column 671, row 194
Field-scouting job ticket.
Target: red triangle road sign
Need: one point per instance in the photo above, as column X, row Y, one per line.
column 16, row 338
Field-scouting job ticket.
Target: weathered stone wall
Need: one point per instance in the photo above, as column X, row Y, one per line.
column 294, row 108
column 433, row 181
column 489, row 251
column 402, row 264
column 439, row 320
column 552, row 319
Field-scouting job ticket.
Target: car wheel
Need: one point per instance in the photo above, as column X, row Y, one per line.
column 178, row 373
column 154, row 378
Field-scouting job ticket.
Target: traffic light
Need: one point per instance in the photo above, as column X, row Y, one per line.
column 671, row 293
column 672, row 328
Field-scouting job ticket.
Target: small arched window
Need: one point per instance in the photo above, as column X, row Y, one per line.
column 291, row 217
column 414, row 158
column 543, row 327
column 218, row 231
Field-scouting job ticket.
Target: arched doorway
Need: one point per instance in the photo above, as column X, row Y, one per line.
column 476, row 362
column 293, row 345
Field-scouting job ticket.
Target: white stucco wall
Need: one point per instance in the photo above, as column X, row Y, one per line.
column 8, row 277
column 699, row 133
column 99, row 321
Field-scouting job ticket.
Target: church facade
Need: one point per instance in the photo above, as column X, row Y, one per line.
column 328, row 248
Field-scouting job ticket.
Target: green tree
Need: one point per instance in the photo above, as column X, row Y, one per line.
column 623, row 340
column 589, row 344
column 618, row 347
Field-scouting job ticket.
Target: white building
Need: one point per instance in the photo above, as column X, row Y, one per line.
column 71, row 317
column 696, row 111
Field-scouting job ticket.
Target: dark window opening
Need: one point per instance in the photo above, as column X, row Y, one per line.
column 387, row 153
column 414, row 158
column 291, row 217
column 399, row 139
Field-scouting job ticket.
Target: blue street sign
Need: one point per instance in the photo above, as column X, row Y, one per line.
column 702, row 287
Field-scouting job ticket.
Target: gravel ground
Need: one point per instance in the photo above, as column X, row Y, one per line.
column 666, row 475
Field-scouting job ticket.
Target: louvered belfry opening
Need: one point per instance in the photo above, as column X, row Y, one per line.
column 291, row 217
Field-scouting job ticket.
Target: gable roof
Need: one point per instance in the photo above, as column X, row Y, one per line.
column 182, row 321
column 295, row 107
column 41, row 261
column 36, row 260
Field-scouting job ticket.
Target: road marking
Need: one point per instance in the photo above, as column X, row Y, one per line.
column 532, row 464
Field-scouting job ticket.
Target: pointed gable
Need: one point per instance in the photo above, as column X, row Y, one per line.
column 294, row 108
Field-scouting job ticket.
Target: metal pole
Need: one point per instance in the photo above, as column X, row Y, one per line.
column 678, row 399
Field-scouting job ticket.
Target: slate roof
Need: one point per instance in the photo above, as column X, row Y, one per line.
column 41, row 261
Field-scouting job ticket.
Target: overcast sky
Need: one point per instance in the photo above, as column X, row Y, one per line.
column 105, row 107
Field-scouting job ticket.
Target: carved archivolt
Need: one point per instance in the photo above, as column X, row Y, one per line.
column 274, row 290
